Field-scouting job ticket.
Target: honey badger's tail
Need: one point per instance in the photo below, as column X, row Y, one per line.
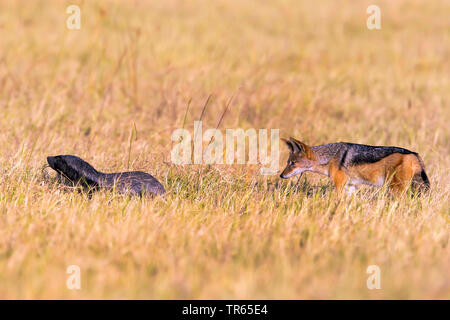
column 420, row 180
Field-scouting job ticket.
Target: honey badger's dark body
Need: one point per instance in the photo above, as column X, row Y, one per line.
column 77, row 170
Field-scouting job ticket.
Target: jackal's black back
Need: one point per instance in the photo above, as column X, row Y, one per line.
column 361, row 153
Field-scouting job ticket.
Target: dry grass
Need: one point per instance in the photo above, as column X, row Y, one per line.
column 312, row 69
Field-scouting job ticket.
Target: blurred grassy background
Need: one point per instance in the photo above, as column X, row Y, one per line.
column 311, row 69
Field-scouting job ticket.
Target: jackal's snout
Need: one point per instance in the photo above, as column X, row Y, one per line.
column 288, row 173
column 284, row 174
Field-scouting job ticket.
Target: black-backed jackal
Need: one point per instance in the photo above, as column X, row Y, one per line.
column 350, row 165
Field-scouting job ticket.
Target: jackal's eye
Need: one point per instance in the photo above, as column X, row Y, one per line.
column 291, row 163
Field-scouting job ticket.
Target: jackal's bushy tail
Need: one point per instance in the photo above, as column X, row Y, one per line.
column 420, row 180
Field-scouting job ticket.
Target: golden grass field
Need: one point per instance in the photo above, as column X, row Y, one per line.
column 114, row 91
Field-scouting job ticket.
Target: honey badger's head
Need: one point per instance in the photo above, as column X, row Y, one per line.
column 73, row 168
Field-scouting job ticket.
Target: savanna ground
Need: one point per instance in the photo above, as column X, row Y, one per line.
column 114, row 91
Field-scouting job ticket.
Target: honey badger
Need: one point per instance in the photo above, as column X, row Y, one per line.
column 77, row 171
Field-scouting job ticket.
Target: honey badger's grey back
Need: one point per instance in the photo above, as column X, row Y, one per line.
column 134, row 182
column 77, row 170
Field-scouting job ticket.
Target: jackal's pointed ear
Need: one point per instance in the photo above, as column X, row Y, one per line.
column 302, row 147
column 289, row 144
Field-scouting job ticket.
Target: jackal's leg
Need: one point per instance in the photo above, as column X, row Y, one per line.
column 402, row 177
column 339, row 177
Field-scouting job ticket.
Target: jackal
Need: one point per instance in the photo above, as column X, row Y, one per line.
column 351, row 164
